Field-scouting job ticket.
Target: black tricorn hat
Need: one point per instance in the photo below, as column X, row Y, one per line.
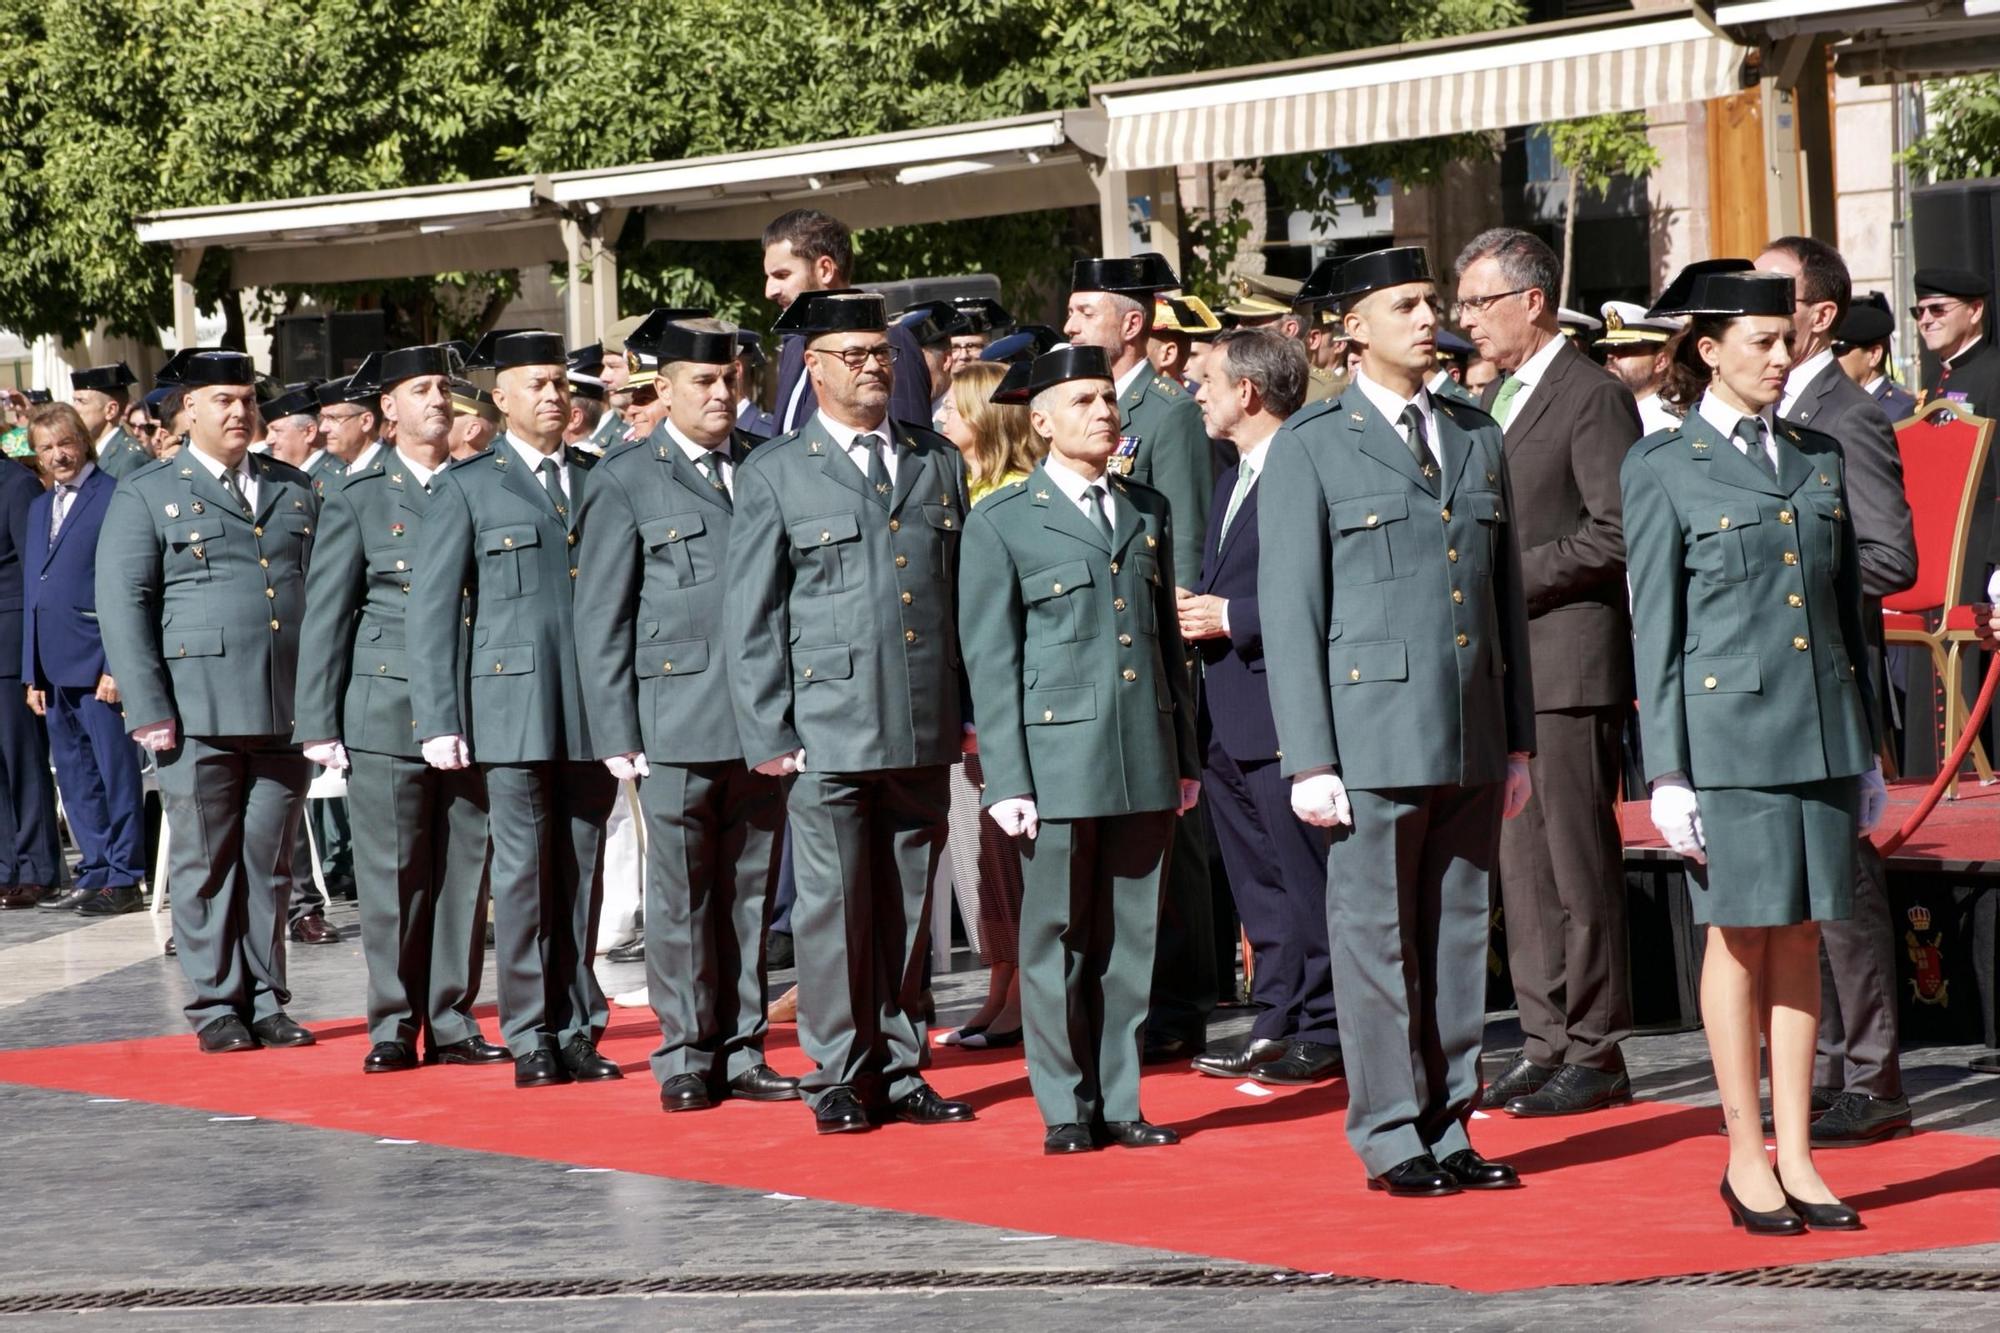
column 1059, row 365
column 39, row 397
column 217, row 367
column 481, row 357
column 678, row 342
column 983, row 312
column 1865, row 325
column 529, row 349
column 407, row 363
column 645, row 339
column 363, row 388
column 933, row 322
column 470, row 398
column 296, row 400
column 1344, row 280
column 1138, row 277
column 1023, row 344
column 104, row 379
column 177, row 364
column 587, row 360
column 750, row 347
column 1725, row 287
column 834, row 310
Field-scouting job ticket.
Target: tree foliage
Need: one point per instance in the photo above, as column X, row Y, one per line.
column 1962, row 137
column 1594, row 151
column 113, row 108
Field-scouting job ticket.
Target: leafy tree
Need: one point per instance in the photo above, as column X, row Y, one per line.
column 1594, row 150
column 1962, row 141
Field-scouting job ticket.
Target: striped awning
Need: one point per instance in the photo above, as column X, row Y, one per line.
column 1525, row 76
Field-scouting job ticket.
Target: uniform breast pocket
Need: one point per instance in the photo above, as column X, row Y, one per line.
column 945, row 526
column 507, row 556
column 391, row 566
column 1829, row 517
column 1362, row 536
column 1487, row 511
column 827, row 551
column 195, row 551
column 1147, row 567
column 1058, row 598
column 672, row 548
column 1716, row 541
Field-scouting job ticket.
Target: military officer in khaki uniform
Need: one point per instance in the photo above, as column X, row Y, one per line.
column 1086, row 731
column 420, row 832
column 842, row 638
column 1397, row 644
column 201, row 574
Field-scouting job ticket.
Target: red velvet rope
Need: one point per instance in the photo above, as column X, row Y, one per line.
column 1949, row 768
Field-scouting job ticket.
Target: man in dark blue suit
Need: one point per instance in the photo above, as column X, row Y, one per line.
column 30, row 857
column 807, row 251
column 1250, row 382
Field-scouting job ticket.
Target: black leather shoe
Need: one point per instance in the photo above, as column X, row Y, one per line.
column 778, row 953
column 1167, row 1049
column 1473, row 1172
column 1238, row 1063
column 116, row 901
column 1064, row 1139
column 1777, row 1222
column 1856, row 1118
column 224, row 1035
column 67, row 902
column 925, row 1107
column 635, row 952
column 1419, row 1178
column 764, row 1084
column 315, row 929
column 539, row 1069
column 840, row 1112
column 1139, row 1134
column 280, row 1030
column 585, row 1065
column 1988, row 1063
column 1823, row 1216
column 14, row 897
column 1303, row 1062
column 474, row 1050
column 1822, row 1101
column 389, row 1057
column 1574, row 1090
column 1522, row 1077
column 170, row 951
column 685, row 1092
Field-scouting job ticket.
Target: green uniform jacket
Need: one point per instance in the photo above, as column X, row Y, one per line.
column 357, row 596
column 1746, row 606
column 493, row 538
column 200, row 607
column 1456, row 392
column 122, row 455
column 1393, row 619
column 649, row 605
column 1166, row 446
column 842, row 625
column 1074, row 650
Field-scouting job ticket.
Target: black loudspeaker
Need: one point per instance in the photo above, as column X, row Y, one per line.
column 327, row 345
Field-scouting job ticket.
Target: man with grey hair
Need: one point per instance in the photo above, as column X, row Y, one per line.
column 1251, row 382
column 1567, row 428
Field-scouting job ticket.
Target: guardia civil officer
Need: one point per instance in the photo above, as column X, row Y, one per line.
column 1397, row 648
column 841, row 627
column 499, row 550
column 1754, row 711
column 100, row 395
column 649, row 614
column 200, row 591
column 1086, row 731
column 419, row 832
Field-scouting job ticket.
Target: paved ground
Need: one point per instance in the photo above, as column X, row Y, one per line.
column 114, row 1200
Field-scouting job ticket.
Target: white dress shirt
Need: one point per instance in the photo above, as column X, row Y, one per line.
column 845, row 437
column 1724, row 418
column 365, row 457
column 417, row 470
column 1804, row 373
column 725, row 471
column 1391, row 404
column 533, row 458
column 246, row 478
column 1140, row 367
column 1530, row 374
column 1077, row 486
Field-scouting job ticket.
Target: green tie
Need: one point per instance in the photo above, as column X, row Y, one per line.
column 876, row 470
column 228, row 480
column 1420, row 445
column 1244, row 479
column 1749, row 433
column 1503, row 406
column 711, row 470
column 552, row 483
column 1095, row 497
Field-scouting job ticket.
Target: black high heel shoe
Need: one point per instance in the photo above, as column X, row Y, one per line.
column 1780, row 1222
column 1823, row 1216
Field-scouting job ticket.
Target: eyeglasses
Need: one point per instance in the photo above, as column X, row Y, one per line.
column 1934, row 309
column 854, row 358
column 1478, row 304
column 341, row 416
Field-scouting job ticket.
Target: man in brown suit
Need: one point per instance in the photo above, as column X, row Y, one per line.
column 1568, row 426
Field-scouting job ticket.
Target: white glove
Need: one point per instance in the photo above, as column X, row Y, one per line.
column 783, row 766
column 1190, row 794
column 328, row 754
column 158, row 736
column 1874, row 798
column 629, row 767
column 1017, row 817
column 1320, row 799
column 447, row 752
column 1993, row 586
column 1520, row 786
column 1677, row 815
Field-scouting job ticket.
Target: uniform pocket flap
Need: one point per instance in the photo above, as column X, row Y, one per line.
column 1843, row 669
column 1360, row 663
column 194, row 534
column 192, row 643
column 507, row 659
column 509, row 538
column 1828, row 507
column 836, row 663
column 391, row 561
column 942, row 516
column 387, row 662
column 1055, row 581
column 1723, row 675
column 812, row 532
column 682, row 657
column 1072, row 703
column 657, row 532
column 1370, row 511
column 1722, row 518
column 1690, row 643
column 1484, row 506
column 1334, row 628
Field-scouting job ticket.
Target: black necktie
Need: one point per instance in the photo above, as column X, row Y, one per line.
column 1750, row 430
column 552, row 483
column 1096, row 497
column 878, row 471
column 1420, row 445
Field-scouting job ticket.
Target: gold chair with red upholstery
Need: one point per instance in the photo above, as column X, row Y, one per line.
column 1944, row 452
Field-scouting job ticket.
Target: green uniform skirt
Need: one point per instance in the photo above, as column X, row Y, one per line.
column 1777, row 855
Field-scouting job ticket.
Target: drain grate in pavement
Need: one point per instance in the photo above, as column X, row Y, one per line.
column 1806, row 1277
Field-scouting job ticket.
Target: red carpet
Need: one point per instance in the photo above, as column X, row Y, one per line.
column 1962, row 836
column 1270, row 1180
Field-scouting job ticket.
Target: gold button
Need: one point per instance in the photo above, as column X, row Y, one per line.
column 572, row 572
column 401, row 565
column 1452, row 555
column 909, row 636
column 1445, row 513
column 1791, row 557
column 1056, row 587
column 382, row 670
column 1793, row 599
column 263, row 562
column 824, row 535
column 895, row 525
column 572, row 539
column 1462, row 641
column 270, row 592
column 468, row 619
column 257, row 532
column 1118, row 603
column 1800, row 643
column 902, row 561
column 1048, row 715
column 1114, row 566
column 1355, row 674
column 809, row 673
column 406, row 588
column 947, row 522
column 1838, row 512
column 506, row 541
column 1709, row 682
column 1124, row 641
column 497, row 666
column 1722, row 522
column 1784, row 516
column 1130, row 674
column 666, row 666
column 274, row 624
column 183, row 652
column 1373, row 519
column 1458, row 596
column 906, row 599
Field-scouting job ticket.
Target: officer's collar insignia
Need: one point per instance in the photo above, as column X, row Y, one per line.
column 499, row 459
column 1699, row 444
column 815, row 446
column 663, row 453
column 1151, row 540
column 174, row 511
column 187, row 472
column 1120, row 485
column 1041, row 495
column 396, row 477
column 1356, row 416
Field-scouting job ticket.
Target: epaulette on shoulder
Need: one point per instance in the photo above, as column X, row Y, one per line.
column 1661, row 439
column 1167, row 387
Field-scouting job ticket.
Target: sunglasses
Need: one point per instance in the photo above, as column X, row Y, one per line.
column 1934, row 309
